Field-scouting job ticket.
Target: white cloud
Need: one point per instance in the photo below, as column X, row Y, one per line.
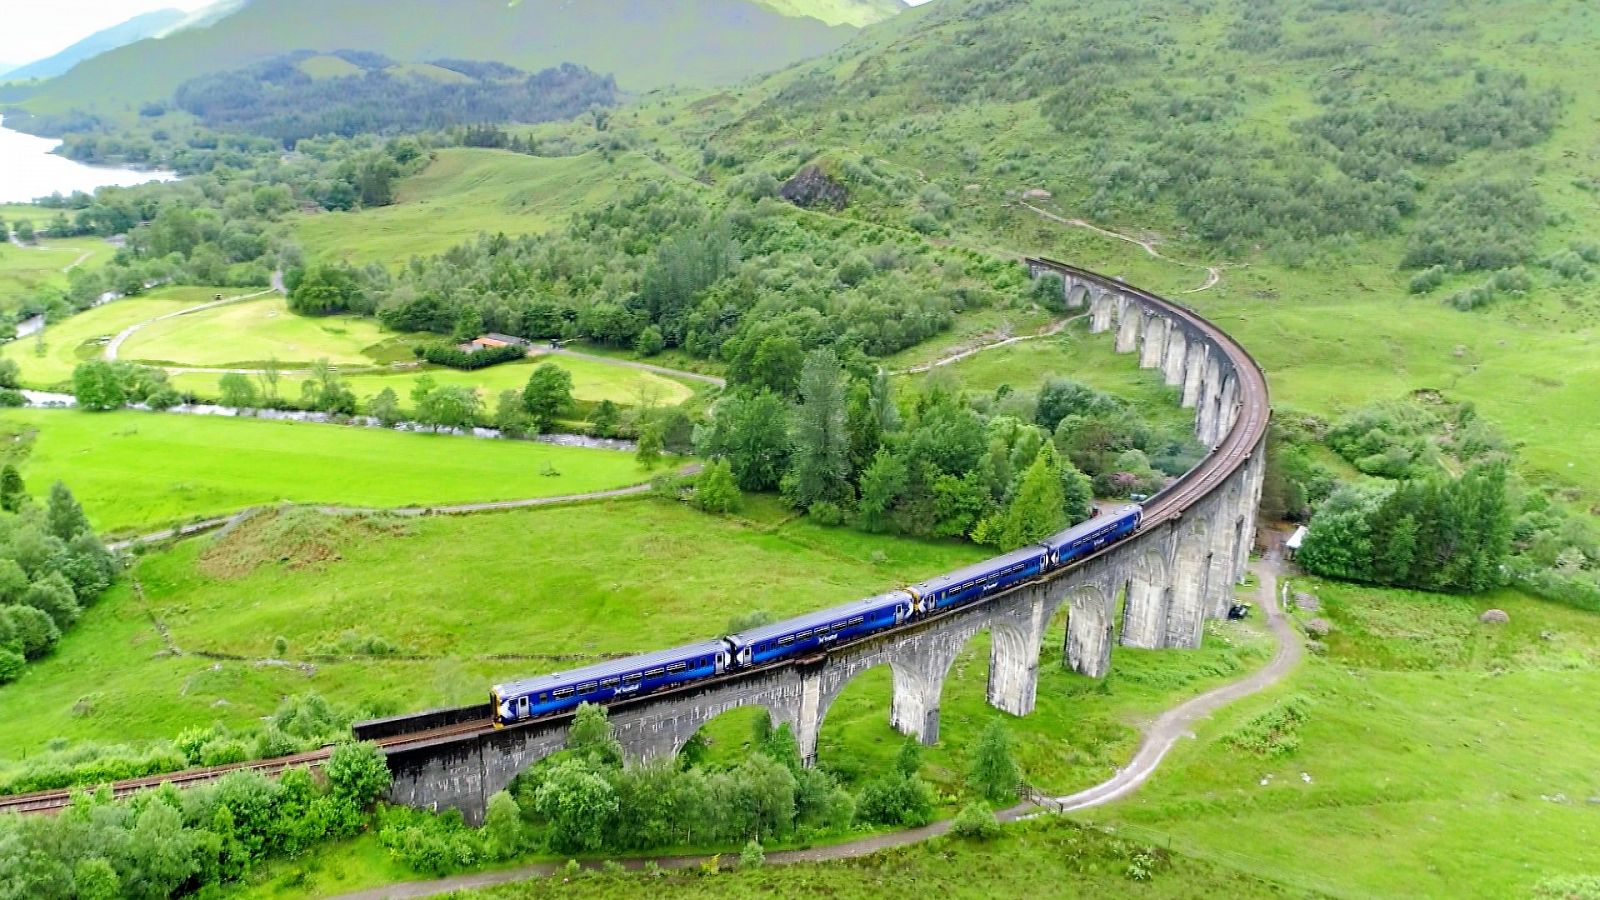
column 35, row 29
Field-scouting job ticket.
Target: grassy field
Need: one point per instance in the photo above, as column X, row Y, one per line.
column 135, row 470
column 47, row 360
column 241, row 335
column 464, row 192
column 591, row 381
column 468, row 600
column 23, row 271
column 1440, row 757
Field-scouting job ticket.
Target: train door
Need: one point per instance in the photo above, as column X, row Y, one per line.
column 522, row 707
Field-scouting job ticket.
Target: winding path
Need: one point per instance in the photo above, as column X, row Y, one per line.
column 1159, row 737
column 113, row 348
column 1213, row 273
column 1054, row 328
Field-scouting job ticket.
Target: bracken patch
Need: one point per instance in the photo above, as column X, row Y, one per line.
column 293, row 538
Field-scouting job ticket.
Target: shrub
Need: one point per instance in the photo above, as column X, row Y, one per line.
column 1274, row 732
column 357, row 773
column 11, row 666
column 976, row 822
column 752, row 856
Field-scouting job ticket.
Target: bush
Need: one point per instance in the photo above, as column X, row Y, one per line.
column 976, row 822
column 357, row 773
column 752, row 856
column 473, row 359
column 11, row 666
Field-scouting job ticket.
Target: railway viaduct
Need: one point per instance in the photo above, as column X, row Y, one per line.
column 1175, row 572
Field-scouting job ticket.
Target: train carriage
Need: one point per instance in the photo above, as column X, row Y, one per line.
column 1088, row 537
column 841, row 623
column 979, row 580
column 601, row 682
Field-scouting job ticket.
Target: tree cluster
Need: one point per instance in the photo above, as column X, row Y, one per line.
column 1435, row 534
column 166, row 843
column 1005, row 470
column 52, row 565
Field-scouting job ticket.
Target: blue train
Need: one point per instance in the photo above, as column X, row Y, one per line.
column 530, row 698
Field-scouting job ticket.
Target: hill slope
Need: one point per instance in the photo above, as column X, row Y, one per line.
column 137, row 28
column 1396, row 196
column 645, row 44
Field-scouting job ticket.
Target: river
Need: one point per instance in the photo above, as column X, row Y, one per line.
column 29, row 171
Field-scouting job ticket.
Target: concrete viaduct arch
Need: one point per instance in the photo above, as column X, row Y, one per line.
column 1175, row 572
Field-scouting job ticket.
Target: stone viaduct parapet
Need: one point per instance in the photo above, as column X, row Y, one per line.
column 1154, row 590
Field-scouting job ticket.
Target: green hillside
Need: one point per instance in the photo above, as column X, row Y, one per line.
column 645, row 44
column 1396, row 196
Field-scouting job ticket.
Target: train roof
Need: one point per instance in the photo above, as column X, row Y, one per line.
column 613, row 667
column 811, row 620
column 1090, row 526
column 979, row 569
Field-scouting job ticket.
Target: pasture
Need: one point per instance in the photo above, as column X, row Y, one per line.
column 26, row 270
column 591, row 381
column 135, row 471
column 1428, row 738
column 48, row 358
column 465, row 192
column 242, row 335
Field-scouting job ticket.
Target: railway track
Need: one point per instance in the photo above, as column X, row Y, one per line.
column 1235, row 449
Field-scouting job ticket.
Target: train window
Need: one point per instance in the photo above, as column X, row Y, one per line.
column 653, row 673
column 858, row 620
column 564, row 692
column 803, row 635
column 677, row 667
column 785, row 641
column 609, row 682
column 631, row 678
column 543, row 697
column 586, row 688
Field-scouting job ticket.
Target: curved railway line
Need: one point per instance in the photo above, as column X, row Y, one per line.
column 1234, row 450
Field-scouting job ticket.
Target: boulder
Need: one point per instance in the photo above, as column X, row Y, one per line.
column 812, row 187
column 1319, row 628
column 1494, row 617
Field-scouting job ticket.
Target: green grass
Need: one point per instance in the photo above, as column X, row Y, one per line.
column 1045, row 858
column 591, row 381
column 136, row 470
column 462, row 193
column 325, row 66
column 1074, row 353
column 25, row 271
column 242, row 334
column 1446, row 758
column 83, row 336
column 469, row 600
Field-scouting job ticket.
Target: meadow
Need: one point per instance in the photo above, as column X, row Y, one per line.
column 467, row 600
column 243, row 335
column 591, row 382
column 1438, row 757
column 134, row 471
column 48, row 358
column 26, row 270
column 464, row 192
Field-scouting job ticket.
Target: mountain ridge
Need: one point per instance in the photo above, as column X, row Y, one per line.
column 645, row 45
column 146, row 25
